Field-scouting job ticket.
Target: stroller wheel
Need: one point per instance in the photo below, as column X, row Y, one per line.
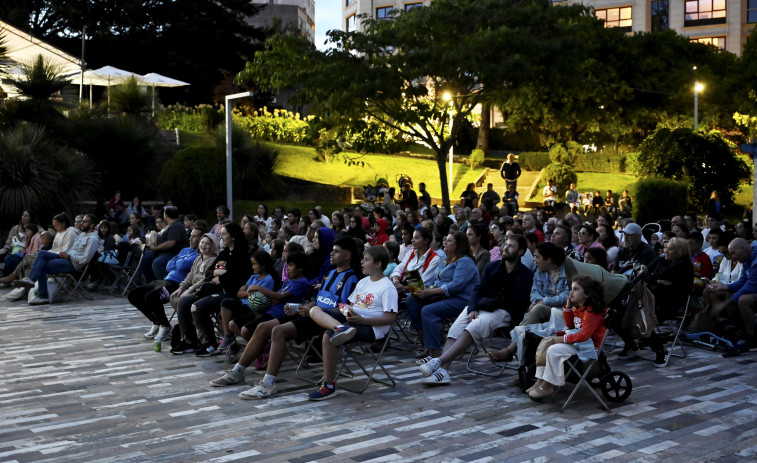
column 616, row 386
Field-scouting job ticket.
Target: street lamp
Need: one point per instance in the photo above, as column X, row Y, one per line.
column 229, row 198
column 447, row 96
column 698, row 88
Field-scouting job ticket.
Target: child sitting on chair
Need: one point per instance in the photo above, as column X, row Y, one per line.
column 584, row 315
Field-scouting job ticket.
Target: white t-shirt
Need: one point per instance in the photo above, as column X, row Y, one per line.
column 371, row 299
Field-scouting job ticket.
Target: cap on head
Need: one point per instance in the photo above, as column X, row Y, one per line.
column 632, row 229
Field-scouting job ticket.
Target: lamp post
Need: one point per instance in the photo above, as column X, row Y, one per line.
column 229, row 198
column 448, row 98
column 698, row 88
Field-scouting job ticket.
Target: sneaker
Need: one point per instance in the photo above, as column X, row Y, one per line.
column 428, row 368
column 261, row 391
column 229, row 379
column 39, row 301
column 232, row 353
column 207, row 350
column 322, row 393
column 183, row 348
column 421, row 352
column 424, row 360
column 440, row 376
column 164, row 333
column 342, row 334
column 662, row 359
column 153, row 331
column 25, row 282
column 628, row 353
column 16, row 294
column 226, row 342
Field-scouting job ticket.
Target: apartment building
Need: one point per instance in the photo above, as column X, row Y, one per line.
column 295, row 14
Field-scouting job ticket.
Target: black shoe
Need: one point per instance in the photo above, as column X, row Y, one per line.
column 183, row 348
column 661, row 361
column 628, row 352
column 207, row 350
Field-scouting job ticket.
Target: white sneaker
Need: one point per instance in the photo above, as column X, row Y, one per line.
column 440, row 376
column 153, row 331
column 164, row 333
column 229, row 379
column 39, row 301
column 430, row 367
column 424, row 360
column 16, row 294
column 261, row 391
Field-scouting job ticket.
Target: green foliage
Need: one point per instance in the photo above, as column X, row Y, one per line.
column 602, row 162
column 125, row 150
column 477, row 157
column 704, row 161
column 567, row 153
column 34, row 172
column 562, row 174
column 374, row 137
column 201, row 118
column 533, row 160
column 39, row 83
column 279, row 126
column 129, row 97
column 648, row 203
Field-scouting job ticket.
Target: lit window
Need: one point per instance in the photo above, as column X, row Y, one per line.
column 616, row 17
column 384, row 13
column 410, row 6
column 351, row 23
column 751, row 11
column 703, row 12
column 718, row 42
column 661, row 15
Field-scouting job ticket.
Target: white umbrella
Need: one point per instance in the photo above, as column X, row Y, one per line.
column 156, row 80
column 107, row 76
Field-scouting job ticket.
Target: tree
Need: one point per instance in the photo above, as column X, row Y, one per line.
column 38, row 84
column 398, row 72
column 704, row 161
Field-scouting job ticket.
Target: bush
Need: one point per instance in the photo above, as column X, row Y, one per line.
column 202, row 118
column 563, row 175
column 477, row 157
column 374, row 137
column 602, row 162
column 533, row 160
column 567, row 154
column 129, row 98
column 647, row 204
column 705, row 162
column 280, row 126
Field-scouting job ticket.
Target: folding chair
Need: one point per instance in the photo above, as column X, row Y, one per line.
column 681, row 324
column 499, row 369
column 71, row 285
column 128, row 271
column 399, row 330
column 310, row 347
column 352, row 351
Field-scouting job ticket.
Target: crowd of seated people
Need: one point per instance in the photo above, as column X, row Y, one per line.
column 459, row 274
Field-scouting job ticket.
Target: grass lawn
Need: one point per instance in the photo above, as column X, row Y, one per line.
column 593, row 181
column 304, row 163
column 242, row 207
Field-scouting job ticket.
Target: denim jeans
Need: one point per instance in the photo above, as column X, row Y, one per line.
column 48, row 263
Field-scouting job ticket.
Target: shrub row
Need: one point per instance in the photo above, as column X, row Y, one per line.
column 587, row 162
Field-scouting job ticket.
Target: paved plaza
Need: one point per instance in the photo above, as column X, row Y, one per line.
column 79, row 383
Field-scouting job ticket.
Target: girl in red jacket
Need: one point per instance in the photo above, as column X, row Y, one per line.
column 584, row 315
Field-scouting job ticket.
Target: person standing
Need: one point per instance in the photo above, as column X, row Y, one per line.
column 510, row 171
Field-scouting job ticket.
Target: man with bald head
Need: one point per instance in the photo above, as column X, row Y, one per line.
column 742, row 302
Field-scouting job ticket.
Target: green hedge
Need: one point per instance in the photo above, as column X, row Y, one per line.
column 587, row 162
column 658, row 198
column 562, row 174
column 533, row 160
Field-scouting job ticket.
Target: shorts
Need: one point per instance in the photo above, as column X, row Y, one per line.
column 256, row 320
column 480, row 328
column 364, row 332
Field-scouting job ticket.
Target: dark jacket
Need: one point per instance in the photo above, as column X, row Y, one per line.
column 238, row 269
column 510, row 171
column 501, row 290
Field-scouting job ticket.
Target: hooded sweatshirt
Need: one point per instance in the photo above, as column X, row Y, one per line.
column 381, row 237
column 326, row 237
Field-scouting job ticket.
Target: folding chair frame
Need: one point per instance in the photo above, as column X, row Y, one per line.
column 71, row 285
column 352, row 351
column 500, row 366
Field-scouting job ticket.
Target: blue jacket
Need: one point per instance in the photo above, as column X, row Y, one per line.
column 180, row 265
column 458, row 278
column 552, row 297
column 747, row 282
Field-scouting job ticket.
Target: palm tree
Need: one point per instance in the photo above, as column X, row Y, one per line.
column 39, row 83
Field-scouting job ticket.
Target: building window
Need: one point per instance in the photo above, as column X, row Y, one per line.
column 718, row 42
column 351, row 23
column 384, row 13
column 751, row 11
column 616, row 17
column 350, row 2
column 704, row 12
column 661, row 15
column 410, row 6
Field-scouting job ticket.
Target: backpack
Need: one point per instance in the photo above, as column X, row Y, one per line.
column 640, row 318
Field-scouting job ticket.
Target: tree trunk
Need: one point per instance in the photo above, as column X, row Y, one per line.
column 442, row 159
column 483, row 131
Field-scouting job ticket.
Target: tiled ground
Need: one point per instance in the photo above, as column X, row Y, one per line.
column 79, row 383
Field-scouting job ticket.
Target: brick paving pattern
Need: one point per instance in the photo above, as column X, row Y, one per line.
column 79, row 383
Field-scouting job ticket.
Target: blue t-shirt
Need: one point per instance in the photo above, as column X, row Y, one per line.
column 335, row 288
column 299, row 289
column 266, row 282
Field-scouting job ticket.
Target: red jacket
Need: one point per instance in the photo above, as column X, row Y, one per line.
column 592, row 325
column 381, row 237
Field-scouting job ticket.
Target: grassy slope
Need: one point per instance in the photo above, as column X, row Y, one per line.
column 303, row 162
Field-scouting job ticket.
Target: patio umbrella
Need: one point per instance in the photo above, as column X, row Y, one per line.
column 614, row 283
column 107, row 76
column 156, row 80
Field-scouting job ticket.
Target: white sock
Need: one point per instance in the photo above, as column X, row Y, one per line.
column 268, row 380
column 238, row 368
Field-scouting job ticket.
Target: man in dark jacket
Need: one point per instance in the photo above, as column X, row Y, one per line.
column 502, row 297
column 510, row 171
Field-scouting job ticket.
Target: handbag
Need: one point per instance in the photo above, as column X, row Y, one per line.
column 109, row 258
column 541, row 351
